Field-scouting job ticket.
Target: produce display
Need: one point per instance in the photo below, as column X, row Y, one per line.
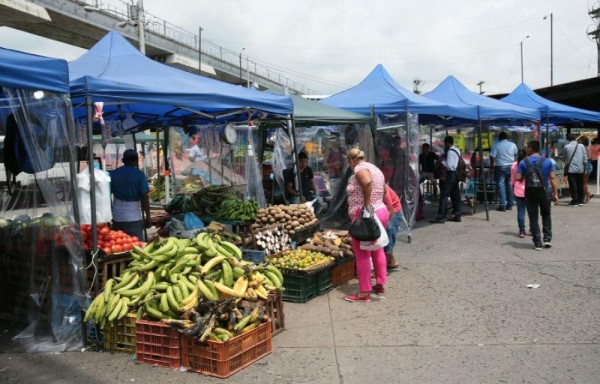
column 293, row 218
column 330, row 243
column 108, row 240
column 301, row 259
column 170, row 278
column 220, row 321
column 272, row 240
column 215, row 202
column 59, row 229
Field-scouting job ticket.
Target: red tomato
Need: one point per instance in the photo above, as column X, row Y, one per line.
column 134, row 238
column 117, row 248
column 107, row 250
column 127, row 246
column 119, row 241
column 86, row 227
column 104, row 230
column 139, row 244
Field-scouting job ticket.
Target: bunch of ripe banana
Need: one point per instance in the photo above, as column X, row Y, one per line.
column 236, row 209
column 220, row 321
column 168, row 278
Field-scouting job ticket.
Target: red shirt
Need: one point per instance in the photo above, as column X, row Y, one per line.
column 392, row 199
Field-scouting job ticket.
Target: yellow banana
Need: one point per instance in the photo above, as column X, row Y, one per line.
column 261, row 292
column 227, row 273
column 212, row 263
column 226, row 291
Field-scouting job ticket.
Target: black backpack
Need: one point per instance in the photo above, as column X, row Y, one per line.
column 461, row 168
column 535, row 187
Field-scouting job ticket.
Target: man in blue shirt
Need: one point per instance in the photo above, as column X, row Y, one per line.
column 502, row 157
column 451, row 187
column 130, row 188
column 539, row 205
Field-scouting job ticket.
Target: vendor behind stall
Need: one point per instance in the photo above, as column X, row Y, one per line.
column 309, row 188
column 129, row 187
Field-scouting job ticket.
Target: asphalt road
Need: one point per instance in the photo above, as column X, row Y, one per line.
column 457, row 311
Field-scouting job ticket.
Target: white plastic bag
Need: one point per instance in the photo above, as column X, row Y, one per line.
column 379, row 243
column 103, row 203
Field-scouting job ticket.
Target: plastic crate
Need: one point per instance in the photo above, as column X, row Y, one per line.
column 113, row 265
column 120, row 337
column 274, row 309
column 324, row 280
column 224, row 359
column 343, row 271
column 304, row 234
column 301, row 288
column 157, row 344
column 253, row 255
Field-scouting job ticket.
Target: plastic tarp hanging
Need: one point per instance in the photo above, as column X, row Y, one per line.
column 42, row 273
column 398, row 150
column 326, row 147
column 254, row 188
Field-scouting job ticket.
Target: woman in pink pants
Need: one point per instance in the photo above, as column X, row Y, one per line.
column 367, row 189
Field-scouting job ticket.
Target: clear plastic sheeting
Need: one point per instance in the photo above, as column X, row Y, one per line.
column 398, row 147
column 199, row 154
column 326, row 147
column 42, row 274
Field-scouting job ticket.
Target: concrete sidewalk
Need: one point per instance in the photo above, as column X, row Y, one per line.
column 457, row 311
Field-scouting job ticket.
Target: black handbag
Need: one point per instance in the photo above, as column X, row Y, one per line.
column 365, row 228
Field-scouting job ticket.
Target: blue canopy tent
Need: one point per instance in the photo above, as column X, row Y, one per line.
column 115, row 71
column 378, row 94
column 551, row 112
column 453, row 91
column 34, row 102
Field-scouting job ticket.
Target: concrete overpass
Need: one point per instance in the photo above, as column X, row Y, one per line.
column 83, row 22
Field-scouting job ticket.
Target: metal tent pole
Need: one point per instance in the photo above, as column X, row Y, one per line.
column 90, row 144
column 482, row 180
column 292, row 127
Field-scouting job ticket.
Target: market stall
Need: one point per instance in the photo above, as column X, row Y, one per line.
column 42, row 271
column 398, row 112
column 452, row 91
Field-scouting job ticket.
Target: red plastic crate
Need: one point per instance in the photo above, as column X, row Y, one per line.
column 343, row 271
column 224, row 359
column 157, row 344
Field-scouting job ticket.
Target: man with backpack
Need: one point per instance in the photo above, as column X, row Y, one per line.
column 541, row 189
column 451, row 188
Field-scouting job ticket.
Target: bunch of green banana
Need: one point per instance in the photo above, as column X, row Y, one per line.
column 221, row 321
column 236, row 209
column 169, row 278
column 158, row 190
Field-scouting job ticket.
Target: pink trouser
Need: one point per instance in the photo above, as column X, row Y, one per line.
column 363, row 258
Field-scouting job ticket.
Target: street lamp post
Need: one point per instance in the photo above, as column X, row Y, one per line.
column 551, row 49
column 247, row 72
column 522, row 79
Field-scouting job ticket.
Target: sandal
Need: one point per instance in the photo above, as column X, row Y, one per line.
column 358, row 299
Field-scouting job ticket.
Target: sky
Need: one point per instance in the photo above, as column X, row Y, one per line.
column 329, row 46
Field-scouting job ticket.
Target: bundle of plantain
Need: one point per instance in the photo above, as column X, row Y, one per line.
column 158, row 189
column 220, row 321
column 238, row 210
column 170, row 277
column 214, row 227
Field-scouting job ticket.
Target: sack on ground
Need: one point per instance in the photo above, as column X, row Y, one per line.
column 535, row 187
column 381, row 242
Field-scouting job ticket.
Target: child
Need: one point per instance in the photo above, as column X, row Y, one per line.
column 519, row 193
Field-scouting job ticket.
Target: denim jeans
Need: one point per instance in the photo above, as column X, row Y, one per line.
column 534, row 209
column 521, row 213
column 502, row 179
column 392, row 231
